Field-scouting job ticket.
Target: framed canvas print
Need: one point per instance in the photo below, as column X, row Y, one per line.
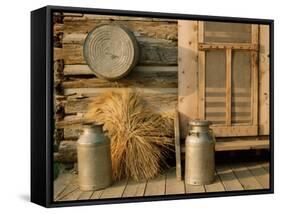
column 140, row 106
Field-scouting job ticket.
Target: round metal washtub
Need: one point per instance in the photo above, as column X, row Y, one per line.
column 111, row 51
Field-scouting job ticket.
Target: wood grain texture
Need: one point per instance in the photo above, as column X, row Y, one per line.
column 264, row 75
column 173, row 184
column 71, row 191
column 228, row 86
column 255, row 89
column 140, row 80
column 156, row 186
column 67, row 150
column 194, row 188
column 242, row 145
column 157, row 40
column 94, row 91
column 245, row 177
column 261, row 175
column 72, row 196
column 58, row 54
column 223, row 46
column 97, row 194
column 80, row 16
column 234, row 130
column 177, row 146
column 152, row 51
column 81, row 70
column 61, row 183
column 266, row 166
column 187, row 73
column 115, row 191
column 238, row 144
column 216, row 186
column 154, row 29
column 162, row 102
column 85, row 195
column 229, row 180
column 254, row 76
column 134, row 189
column 201, row 73
column 202, row 85
column 234, row 177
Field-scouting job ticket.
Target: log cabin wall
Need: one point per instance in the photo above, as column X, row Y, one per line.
column 155, row 76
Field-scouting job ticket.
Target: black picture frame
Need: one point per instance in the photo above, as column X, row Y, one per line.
column 42, row 104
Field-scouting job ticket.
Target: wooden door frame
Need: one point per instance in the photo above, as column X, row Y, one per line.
column 229, row 129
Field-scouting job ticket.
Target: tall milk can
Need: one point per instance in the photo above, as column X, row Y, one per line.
column 199, row 153
column 94, row 158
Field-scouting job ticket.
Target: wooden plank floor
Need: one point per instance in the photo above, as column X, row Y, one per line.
column 229, row 177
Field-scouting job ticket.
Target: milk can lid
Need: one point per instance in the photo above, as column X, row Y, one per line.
column 198, row 122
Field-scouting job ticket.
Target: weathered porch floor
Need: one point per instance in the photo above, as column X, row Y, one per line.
column 229, row 177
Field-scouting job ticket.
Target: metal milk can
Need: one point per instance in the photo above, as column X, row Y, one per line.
column 94, row 159
column 199, row 153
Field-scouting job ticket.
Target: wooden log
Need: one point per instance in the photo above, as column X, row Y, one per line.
column 72, row 16
column 67, row 152
column 152, row 51
column 134, row 79
column 154, row 29
column 58, row 53
column 57, row 28
column 159, row 102
column 57, row 17
column 84, row 70
column 66, row 15
column 72, row 129
column 94, row 91
column 72, row 133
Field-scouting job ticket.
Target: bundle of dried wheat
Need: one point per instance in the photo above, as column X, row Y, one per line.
column 140, row 138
